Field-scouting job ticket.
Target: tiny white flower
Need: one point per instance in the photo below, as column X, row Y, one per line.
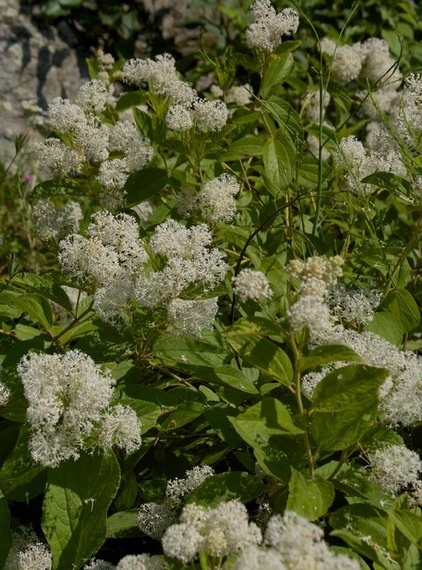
column 251, row 284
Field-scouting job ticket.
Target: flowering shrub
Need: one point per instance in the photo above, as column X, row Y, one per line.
column 219, row 366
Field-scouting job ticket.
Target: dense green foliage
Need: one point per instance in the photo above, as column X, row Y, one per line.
column 233, row 397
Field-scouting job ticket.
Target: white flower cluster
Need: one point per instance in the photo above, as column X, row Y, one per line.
column 129, row 562
column 90, row 141
column 358, row 162
column 109, row 259
column 210, row 115
column 119, row 427
column 218, row 532
column 52, row 224
column 161, row 76
column 136, row 151
column 89, row 135
column 215, row 202
column 352, row 158
column 155, row 518
column 353, row 306
column 92, row 97
column 396, row 468
column 179, row 118
column 401, row 393
column 192, row 317
column 56, row 156
column 251, row 284
column 187, row 109
column 378, row 65
column 125, row 138
column 346, row 62
column 178, row 489
column 266, row 32
column 291, row 542
column 68, row 403
column 4, row 394
column 258, row 558
column 240, row 94
column 27, row 552
column 384, row 146
column 313, row 105
column 309, row 311
column 370, row 59
column 317, row 275
column 114, row 263
column 408, row 121
column 105, row 60
column 142, row 562
column 98, row 564
column 188, row 260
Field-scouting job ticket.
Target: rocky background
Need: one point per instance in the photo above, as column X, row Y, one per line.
column 42, row 59
column 37, row 62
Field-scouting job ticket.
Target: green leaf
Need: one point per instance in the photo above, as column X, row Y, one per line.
column 6, row 535
column 279, row 162
column 127, row 492
column 241, row 331
column 307, row 173
column 328, row 353
column 404, row 524
column 262, row 427
column 387, row 326
column 227, row 376
column 144, row 184
column 219, row 419
column 390, row 181
column 123, row 524
column 269, row 359
column 37, row 307
column 7, row 312
column 401, row 303
column 279, row 68
column 184, row 414
column 144, row 121
column 268, row 417
column 58, row 187
column 345, row 405
column 75, row 507
column 20, row 478
column 245, row 147
column 24, row 332
column 277, row 455
column 364, row 528
column 356, row 486
column 46, row 285
column 147, row 412
column 128, row 100
column 181, row 351
column 286, row 117
column 243, row 116
column 225, row 487
column 77, row 330
column 93, row 67
column 225, row 68
column 309, row 498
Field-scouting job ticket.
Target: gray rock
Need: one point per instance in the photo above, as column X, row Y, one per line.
column 37, row 63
